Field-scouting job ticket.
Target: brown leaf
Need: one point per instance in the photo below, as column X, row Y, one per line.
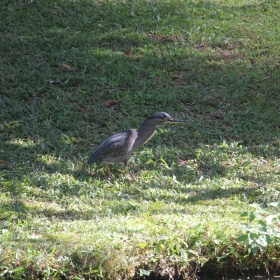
column 66, row 66
column 127, row 53
column 165, row 39
column 111, row 103
column 6, row 163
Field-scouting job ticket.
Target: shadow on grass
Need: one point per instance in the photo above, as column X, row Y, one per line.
column 122, row 51
column 53, row 181
column 215, row 64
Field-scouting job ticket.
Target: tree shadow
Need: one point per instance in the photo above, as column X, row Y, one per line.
column 52, row 118
column 213, row 84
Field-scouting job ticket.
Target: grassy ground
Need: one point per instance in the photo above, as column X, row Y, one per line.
column 214, row 63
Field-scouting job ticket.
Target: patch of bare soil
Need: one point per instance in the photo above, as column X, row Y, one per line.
column 226, row 52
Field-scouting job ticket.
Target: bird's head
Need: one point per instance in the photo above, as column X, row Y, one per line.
column 164, row 118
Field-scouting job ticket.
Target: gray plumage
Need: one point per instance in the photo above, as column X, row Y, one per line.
column 120, row 146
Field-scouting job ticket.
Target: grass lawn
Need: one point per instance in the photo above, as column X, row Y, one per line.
column 74, row 72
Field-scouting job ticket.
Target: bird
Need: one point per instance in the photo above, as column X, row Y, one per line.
column 119, row 147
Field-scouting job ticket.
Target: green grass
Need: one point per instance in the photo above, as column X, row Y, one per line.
column 214, row 63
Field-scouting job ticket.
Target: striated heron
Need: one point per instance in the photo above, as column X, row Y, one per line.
column 120, row 146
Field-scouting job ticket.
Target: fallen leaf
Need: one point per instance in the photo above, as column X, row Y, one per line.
column 6, row 163
column 165, row 39
column 66, row 66
column 127, row 53
column 111, row 103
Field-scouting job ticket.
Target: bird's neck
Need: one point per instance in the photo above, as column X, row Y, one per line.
column 145, row 132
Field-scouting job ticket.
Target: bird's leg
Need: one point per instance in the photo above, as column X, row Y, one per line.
column 127, row 170
column 132, row 177
column 109, row 171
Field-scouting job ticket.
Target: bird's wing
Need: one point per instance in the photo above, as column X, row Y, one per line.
column 115, row 146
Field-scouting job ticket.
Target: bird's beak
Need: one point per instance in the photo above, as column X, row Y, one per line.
column 176, row 121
